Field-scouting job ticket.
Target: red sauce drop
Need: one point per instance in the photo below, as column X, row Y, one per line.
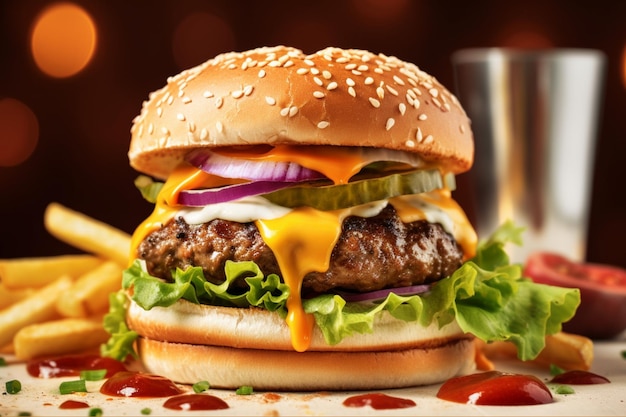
column 496, row 388
column 72, row 365
column 579, row 378
column 195, row 402
column 71, row 404
column 135, row 384
column 378, row 401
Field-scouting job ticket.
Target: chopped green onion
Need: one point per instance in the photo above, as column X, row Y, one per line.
column 93, row 375
column 13, row 386
column 3, row 362
column 25, row 413
column 69, row 387
column 244, row 390
column 200, row 386
column 556, row 370
column 146, row 411
column 564, row 390
column 624, row 354
column 95, row 412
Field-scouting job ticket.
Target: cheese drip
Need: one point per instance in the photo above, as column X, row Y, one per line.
column 302, row 242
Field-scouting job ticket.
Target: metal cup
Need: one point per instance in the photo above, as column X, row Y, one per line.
column 534, row 116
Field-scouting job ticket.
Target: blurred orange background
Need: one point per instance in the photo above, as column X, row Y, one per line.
column 73, row 75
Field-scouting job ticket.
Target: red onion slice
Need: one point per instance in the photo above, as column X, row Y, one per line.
column 200, row 198
column 228, row 167
column 382, row 294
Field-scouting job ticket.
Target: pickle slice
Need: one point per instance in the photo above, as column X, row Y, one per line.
column 333, row 197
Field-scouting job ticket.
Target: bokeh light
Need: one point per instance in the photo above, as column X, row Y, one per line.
column 201, row 36
column 525, row 35
column 381, row 12
column 19, row 132
column 63, row 40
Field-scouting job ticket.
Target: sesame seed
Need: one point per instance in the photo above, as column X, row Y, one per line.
column 374, row 102
column 315, row 71
column 323, row 124
column 219, row 126
column 288, row 64
column 326, row 74
column 362, row 67
column 433, row 92
column 150, row 128
column 429, row 139
column 293, row 110
column 248, row 90
column 398, row 80
column 203, row 134
column 437, row 102
column 274, row 64
column 350, row 82
column 232, row 66
column 270, row 100
column 422, row 116
column 342, row 60
column 416, row 103
column 159, row 111
column 462, row 129
column 219, row 102
column 302, row 71
column 309, row 62
column 402, row 108
column 165, row 130
column 380, row 92
column 390, row 122
column 318, row 94
column 191, row 126
column 369, row 80
column 180, row 117
column 332, row 86
column 186, row 100
column 355, row 72
column 318, row 81
column 351, row 91
column 350, row 66
column 170, row 100
column 391, row 90
column 237, row 94
column 410, row 144
column 207, row 94
column 261, row 73
column 181, row 93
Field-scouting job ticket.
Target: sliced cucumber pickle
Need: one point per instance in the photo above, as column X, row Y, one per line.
column 334, row 197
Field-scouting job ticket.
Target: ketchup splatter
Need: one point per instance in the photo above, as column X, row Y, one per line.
column 135, row 384
column 71, row 404
column 72, row 365
column 378, row 401
column 579, row 378
column 195, row 402
column 496, row 388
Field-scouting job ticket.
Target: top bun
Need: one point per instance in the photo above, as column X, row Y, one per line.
column 279, row 95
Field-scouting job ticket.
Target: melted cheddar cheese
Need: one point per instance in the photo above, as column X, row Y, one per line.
column 302, row 239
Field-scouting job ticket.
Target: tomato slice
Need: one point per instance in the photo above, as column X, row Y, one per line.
column 602, row 311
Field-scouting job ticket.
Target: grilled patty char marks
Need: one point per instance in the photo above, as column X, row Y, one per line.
column 371, row 254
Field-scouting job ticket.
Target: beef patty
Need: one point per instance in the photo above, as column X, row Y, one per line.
column 371, row 254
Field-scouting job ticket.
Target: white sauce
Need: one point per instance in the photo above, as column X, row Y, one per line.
column 249, row 209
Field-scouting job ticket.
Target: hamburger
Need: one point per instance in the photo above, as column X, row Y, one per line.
column 304, row 235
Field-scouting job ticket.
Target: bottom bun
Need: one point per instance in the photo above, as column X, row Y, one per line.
column 264, row 370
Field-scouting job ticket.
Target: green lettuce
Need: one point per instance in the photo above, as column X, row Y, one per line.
column 488, row 296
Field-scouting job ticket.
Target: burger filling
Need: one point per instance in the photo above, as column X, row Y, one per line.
column 372, row 253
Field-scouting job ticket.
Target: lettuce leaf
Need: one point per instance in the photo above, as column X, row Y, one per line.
column 487, row 296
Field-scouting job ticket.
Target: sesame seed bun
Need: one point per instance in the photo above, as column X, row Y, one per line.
column 234, row 347
column 280, row 95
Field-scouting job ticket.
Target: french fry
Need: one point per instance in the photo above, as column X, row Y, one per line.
column 89, row 294
column 86, row 233
column 565, row 350
column 38, row 307
column 37, row 272
column 58, row 337
column 12, row 296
